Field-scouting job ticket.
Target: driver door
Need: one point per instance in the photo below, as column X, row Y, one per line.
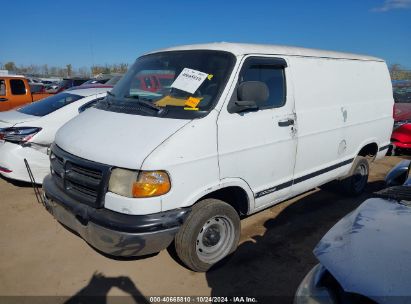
column 259, row 146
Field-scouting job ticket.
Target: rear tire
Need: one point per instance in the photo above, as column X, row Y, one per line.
column 356, row 182
column 210, row 233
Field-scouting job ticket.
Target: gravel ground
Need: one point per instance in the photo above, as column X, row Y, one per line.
column 39, row 257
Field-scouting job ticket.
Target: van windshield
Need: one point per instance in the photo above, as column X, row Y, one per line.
column 176, row 84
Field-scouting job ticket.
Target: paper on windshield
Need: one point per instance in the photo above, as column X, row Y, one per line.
column 170, row 101
column 189, row 80
column 192, row 102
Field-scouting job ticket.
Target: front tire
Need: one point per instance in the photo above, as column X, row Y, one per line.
column 210, row 233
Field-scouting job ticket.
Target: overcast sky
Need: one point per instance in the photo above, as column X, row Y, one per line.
column 84, row 33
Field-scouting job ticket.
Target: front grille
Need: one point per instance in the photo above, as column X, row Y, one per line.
column 83, row 180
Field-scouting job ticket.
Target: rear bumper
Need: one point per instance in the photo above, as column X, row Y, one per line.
column 110, row 232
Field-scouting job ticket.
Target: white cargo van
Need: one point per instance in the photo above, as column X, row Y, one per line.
column 194, row 137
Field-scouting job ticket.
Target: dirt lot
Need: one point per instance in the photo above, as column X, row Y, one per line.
column 39, row 257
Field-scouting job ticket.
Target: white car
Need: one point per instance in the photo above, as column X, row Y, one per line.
column 224, row 130
column 27, row 132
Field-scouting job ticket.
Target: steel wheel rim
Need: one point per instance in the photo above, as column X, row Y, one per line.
column 215, row 239
column 360, row 177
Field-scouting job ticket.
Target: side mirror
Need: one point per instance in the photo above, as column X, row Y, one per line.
column 398, row 175
column 250, row 94
column 243, row 106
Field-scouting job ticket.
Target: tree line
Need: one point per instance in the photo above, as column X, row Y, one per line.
column 399, row 73
column 45, row 70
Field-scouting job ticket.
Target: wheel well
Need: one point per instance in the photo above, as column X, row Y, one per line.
column 234, row 196
column 370, row 150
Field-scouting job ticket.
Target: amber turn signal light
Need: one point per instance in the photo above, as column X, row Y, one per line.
column 151, row 183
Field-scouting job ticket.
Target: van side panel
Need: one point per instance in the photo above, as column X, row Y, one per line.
column 341, row 105
column 370, row 116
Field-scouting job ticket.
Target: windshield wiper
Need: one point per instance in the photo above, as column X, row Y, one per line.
column 106, row 100
column 145, row 102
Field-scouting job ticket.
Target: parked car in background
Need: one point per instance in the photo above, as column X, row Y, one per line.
column 100, row 79
column 155, row 81
column 229, row 132
column 111, row 80
column 15, row 91
column 108, row 84
column 27, row 132
column 365, row 257
column 67, row 83
column 95, row 81
column 37, row 87
column 401, row 135
column 51, row 80
column 33, row 80
column 52, row 88
column 47, row 82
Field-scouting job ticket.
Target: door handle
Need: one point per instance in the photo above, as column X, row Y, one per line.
column 3, row 99
column 286, row 122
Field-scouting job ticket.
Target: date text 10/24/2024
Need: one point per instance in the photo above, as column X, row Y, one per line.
column 199, row 299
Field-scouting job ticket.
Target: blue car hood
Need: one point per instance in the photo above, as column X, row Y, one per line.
column 369, row 251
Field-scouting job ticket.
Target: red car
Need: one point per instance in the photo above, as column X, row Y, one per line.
column 154, row 82
column 401, row 135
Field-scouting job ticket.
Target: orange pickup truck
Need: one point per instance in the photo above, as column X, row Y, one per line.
column 15, row 91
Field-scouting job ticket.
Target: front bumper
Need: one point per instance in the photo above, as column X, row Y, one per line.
column 310, row 291
column 110, row 232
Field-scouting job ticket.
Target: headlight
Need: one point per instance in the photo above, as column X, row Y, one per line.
column 18, row 134
column 309, row 291
column 139, row 184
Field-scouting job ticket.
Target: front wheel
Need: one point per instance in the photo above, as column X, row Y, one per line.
column 210, row 233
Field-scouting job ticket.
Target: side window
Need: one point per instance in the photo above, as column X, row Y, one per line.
column 2, row 87
column 17, row 87
column 271, row 72
column 89, row 104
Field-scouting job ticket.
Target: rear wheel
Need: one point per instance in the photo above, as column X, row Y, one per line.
column 357, row 179
column 210, row 233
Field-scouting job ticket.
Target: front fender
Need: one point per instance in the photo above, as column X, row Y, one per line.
column 224, row 183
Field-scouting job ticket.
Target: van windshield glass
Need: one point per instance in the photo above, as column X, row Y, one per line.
column 176, row 84
column 49, row 104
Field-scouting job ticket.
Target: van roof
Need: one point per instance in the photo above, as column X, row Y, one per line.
column 244, row 49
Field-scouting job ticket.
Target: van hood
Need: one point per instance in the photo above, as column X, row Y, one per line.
column 369, row 250
column 13, row 117
column 116, row 139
